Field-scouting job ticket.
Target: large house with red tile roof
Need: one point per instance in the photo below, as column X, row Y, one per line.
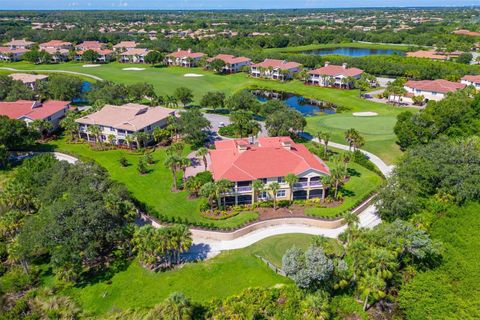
column 232, row 63
column 123, row 121
column 429, row 89
column 275, row 69
column 29, row 79
column 184, row 58
column 90, row 45
column 269, row 160
column 334, row 76
column 58, row 49
column 19, row 44
column 104, row 54
column 471, row 81
column 124, row 46
column 135, row 55
column 9, row 54
column 52, row 111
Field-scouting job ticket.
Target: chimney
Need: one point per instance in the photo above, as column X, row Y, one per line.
column 242, row 147
column 344, row 65
column 287, row 145
column 179, row 49
column 189, row 50
column 327, row 63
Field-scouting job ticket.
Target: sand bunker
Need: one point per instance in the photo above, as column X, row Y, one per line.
column 133, row 69
column 91, row 65
column 192, row 75
column 365, row 114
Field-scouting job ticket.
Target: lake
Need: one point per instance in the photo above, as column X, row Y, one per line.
column 307, row 107
column 353, row 52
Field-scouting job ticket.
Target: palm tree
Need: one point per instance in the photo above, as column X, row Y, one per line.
column 257, row 186
column 177, row 307
column 184, row 163
column 223, row 186
column 96, row 132
column 69, row 125
column 111, row 139
column 352, row 220
column 274, row 187
column 203, row 152
column 172, row 161
column 291, row 179
column 129, row 140
column 325, row 138
column 337, row 176
column 371, row 284
column 209, row 191
column 140, row 138
column 350, row 136
column 358, row 142
column 326, row 183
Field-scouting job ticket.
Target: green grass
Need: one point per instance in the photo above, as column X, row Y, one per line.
column 360, row 185
column 152, row 189
column 225, row 275
column 339, row 45
column 166, row 80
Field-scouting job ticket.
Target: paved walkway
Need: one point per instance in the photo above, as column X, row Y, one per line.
column 57, row 71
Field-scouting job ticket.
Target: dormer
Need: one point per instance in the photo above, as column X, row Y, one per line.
column 287, row 145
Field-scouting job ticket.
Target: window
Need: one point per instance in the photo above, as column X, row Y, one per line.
column 281, row 179
column 281, row 193
column 149, row 128
column 49, row 118
column 263, row 195
column 264, row 180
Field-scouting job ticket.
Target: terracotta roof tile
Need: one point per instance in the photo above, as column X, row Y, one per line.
column 31, row 109
column 439, row 85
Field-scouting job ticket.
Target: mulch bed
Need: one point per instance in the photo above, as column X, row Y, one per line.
column 289, row 212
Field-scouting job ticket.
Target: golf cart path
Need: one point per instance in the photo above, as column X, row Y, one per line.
column 57, row 71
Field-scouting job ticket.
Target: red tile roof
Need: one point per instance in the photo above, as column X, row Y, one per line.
column 269, row 158
column 230, row 59
column 439, row 85
column 31, row 109
column 186, row 54
column 470, row 78
column 334, row 70
column 277, row 64
column 430, row 54
column 126, row 44
column 7, row 50
column 55, row 44
column 465, row 32
column 135, row 52
column 99, row 51
column 86, row 45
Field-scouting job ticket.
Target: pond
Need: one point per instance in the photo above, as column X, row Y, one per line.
column 307, row 107
column 86, row 87
column 353, row 52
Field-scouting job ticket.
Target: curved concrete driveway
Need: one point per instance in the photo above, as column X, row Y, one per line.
column 57, row 71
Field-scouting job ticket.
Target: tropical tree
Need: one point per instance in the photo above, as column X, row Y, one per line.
column 184, row 163
column 175, row 307
column 222, row 186
column 352, row 137
column 184, row 95
column 69, row 125
column 203, row 152
column 352, row 220
column 41, row 126
column 325, row 138
column 291, row 179
column 96, row 132
column 274, row 187
column 257, row 186
column 337, row 176
column 160, row 135
column 172, row 161
column 326, row 183
column 217, row 65
column 213, row 99
column 371, row 285
column 209, row 191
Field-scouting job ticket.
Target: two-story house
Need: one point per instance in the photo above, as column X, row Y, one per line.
column 123, row 121
column 469, row 80
column 52, row 111
column 334, row 76
column 269, row 160
column 430, row 90
column 19, row 44
column 58, row 49
column 104, row 54
column 29, row 79
column 275, row 69
column 136, row 55
column 232, row 64
column 184, row 58
column 124, row 46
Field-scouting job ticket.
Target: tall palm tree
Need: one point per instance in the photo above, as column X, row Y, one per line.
column 184, row 163
column 326, row 183
column 274, row 187
column 257, row 186
column 203, row 152
column 291, row 179
column 352, row 220
column 209, row 191
column 371, row 284
column 337, row 176
column 223, row 186
column 350, row 136
column 172, row 161
column 129, row 140
column 96, row 132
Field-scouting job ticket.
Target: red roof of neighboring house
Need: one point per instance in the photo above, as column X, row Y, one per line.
column 55, row 44
column 475, row 79
column 8, row 50
column 270, row 157
column 334, row 70
column 465, row 32
column 186, row 54
column 230, row 59
column 99, row 51
column 277, row 64
column 126, row 44
column 430, row 54
column 135, row 52
column 31, row 109
column 439, row 85
column 87, row 45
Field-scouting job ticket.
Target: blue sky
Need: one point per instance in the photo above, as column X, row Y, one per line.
column 218, row 4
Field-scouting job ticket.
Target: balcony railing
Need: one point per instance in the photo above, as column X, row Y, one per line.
column 244, row 189
column 301, row 184
column 305, row 184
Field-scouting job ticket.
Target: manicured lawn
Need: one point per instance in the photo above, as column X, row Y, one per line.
column 152, row 189
column 361, row 184
column 339, row 45
column 225, row 275
column 166, row 80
